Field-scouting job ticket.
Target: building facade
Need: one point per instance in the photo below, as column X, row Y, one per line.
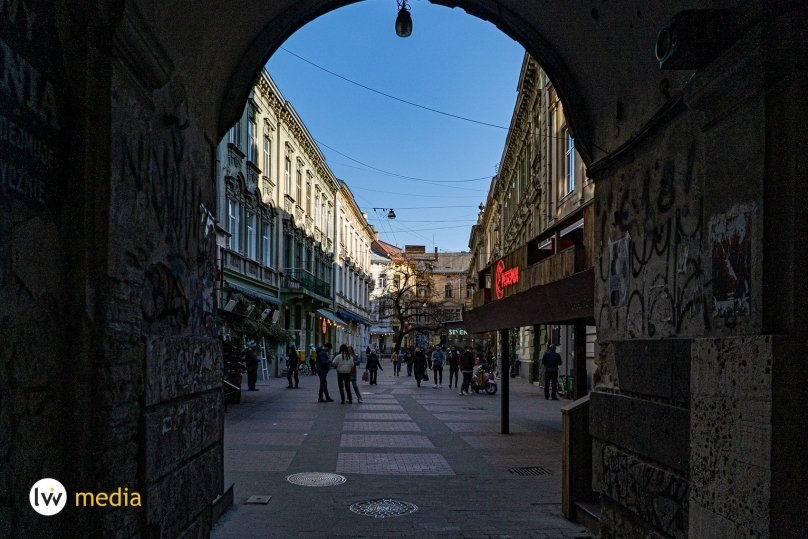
column 536, row 227
column 296, row 245
column 353, row 280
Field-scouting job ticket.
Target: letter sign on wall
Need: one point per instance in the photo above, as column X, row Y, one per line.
column 504, row 278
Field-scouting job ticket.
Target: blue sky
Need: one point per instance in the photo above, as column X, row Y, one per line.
column 452, row 62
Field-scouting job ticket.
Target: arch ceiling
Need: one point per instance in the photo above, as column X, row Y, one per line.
column 599, row 53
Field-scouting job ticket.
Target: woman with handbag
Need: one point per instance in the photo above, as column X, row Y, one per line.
column 419, row 367
column 356, row 362
column 343, row 363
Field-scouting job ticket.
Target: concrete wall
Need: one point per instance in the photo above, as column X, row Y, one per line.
column 684, row 411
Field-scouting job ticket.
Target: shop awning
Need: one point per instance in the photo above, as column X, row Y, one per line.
column 559, row 302
column 253, row 293
column 381, row 330
column 328, row 315
column 345, row 315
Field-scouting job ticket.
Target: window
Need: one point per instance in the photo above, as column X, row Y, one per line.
column 252, row 140
column 266, row 244
column 447, row 291
column 232, row 225
column 382, row 282
column 308, row 194
column 569, row 163
column 234, row 135
column 299, row 196
column 267, row 157
column 317, row 207
column 287, row 251
column 252, row 240
column 287, row 174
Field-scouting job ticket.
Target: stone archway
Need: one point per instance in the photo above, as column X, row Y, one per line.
column 108, row 327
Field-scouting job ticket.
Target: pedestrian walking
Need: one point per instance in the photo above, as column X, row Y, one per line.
column 323, row 364
column 312, row 360
column 419, row 366
column 372, row 366
column 292, row 363
column 397, row 357
column 436, row 362
column 453, row 358
column 551, row 361
column 343, row 362
column 408, row 360
column 251, row 361
column 355, row 368
column 466, row 367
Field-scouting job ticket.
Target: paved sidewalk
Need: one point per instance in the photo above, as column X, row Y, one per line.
column 428, row 447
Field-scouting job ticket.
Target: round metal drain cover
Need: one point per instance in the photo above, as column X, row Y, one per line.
column 384, row 508
column 316, row 479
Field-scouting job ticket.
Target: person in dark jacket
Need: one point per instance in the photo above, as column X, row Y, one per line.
column 419, row 365
column 466, row 367
column 251, row 360
column 291, row 368
column 372, row 366
column 323, row 364
column 551, row 361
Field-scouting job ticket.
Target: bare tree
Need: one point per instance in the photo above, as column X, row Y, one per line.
column 409, row 301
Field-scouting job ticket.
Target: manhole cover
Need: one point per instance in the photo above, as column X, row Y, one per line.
column 316, row 479
column 530, row 470
column 384, row 508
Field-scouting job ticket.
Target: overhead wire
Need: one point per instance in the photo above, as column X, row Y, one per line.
column 424, row 107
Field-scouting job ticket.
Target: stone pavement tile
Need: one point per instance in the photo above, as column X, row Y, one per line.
column 385, row 440
column 380, row 407
column 472, row 496
column 281, row 424
column 384, row 427
column 481, row 427
column 235, row 440
column 468, row 416
column 295, row 415
column 257, row 461
column 494, row 441
column 393, row 464
column 359, row 416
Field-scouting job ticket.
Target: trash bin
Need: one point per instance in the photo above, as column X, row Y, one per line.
column 569, row 384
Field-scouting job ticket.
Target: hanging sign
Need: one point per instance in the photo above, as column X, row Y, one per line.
column 504, row 278
column 323, row 325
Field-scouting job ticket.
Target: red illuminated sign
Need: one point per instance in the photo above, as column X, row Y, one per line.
column 504, row 278
column 323, row 325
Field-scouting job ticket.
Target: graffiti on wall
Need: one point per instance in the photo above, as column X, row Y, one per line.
column 619, row 271
column 168, row 192
column 731, row 237
column 659, row 207
column 657, row 496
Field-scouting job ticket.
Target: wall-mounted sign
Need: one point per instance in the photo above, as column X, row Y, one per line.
column 323, row 326
column 504, row 278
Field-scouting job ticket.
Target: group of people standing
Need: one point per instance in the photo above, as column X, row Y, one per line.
column 420, row 361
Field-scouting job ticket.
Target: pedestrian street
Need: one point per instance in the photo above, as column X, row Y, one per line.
column 408, row 462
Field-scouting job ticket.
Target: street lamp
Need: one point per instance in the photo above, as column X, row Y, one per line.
column 390, row 213
column 403, row 20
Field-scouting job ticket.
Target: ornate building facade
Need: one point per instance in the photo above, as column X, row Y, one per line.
column 278, row 203
column 536, row 222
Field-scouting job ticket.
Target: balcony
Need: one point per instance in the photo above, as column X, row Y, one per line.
column 238, row 263
column 556, row 267
column 301, row 279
